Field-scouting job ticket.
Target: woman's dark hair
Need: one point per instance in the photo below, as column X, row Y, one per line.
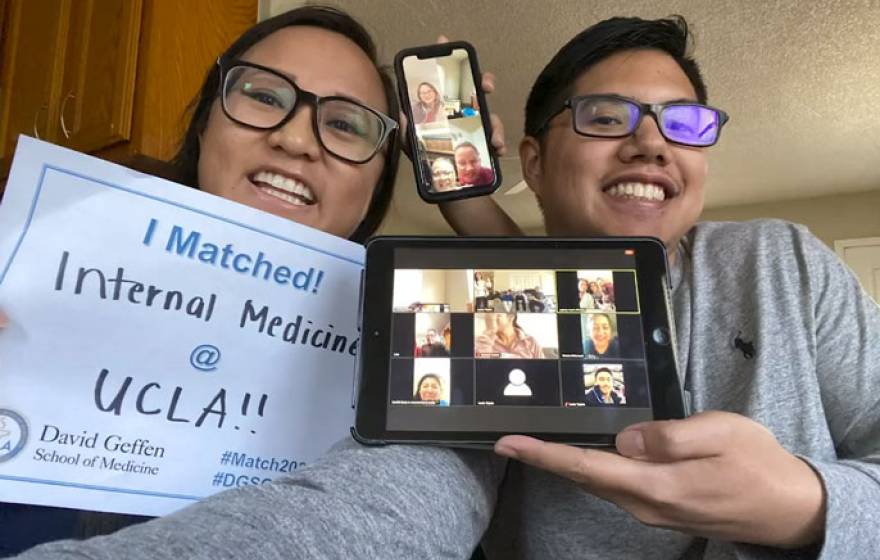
column 594, row 316
column 594, row 44
column 514, row 322
column 186, row 161
column 433, row 376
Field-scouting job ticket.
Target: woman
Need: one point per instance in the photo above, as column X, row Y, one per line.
column 298, row 166
column 585, row 298
column 603, row 338
column 504, row 338
column 443, row 175
column 429, row 389
column 595, row 291
column 260, row 138
column 481, row 292
column 607, row 292
column 277, row 128
column 429, row 107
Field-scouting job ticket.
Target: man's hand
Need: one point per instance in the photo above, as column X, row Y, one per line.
column 715, row 474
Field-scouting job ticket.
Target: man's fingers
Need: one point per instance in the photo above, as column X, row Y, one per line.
column 4, row 320
column 498, row 135
column 602, row 473
column 707, row 434
column 488, row 82
column 442, row 39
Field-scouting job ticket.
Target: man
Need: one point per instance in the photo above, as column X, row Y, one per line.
column 602, row 392
column 469, row 167
column 433, row 348
column 789, row 471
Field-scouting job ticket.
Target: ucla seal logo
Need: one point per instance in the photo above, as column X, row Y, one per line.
column 13, row 434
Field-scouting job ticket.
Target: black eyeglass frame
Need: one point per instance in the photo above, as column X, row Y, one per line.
column 652, row 109
column 389, row 125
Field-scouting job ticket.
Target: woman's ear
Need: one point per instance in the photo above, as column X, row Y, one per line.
column 530, row 162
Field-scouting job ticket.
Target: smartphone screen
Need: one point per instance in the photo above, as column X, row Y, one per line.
column 451, row 143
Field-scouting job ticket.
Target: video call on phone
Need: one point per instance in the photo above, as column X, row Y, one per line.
column 452, row 148
column 515, row 339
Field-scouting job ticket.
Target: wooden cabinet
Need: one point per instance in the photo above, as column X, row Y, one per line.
column 109, row 77
column 33, row 34
column 180, row 41
column 97, row 90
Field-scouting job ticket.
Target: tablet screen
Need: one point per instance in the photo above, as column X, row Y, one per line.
column 522, row 340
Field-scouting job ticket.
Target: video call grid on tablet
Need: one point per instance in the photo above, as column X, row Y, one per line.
column 524, row 337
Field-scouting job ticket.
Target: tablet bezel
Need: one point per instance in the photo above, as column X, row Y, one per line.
column 376, row 314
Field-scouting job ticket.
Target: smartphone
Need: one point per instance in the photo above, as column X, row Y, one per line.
column 449, row 127
column 469, row 339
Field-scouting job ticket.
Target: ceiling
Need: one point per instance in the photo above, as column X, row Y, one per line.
column 800, row 79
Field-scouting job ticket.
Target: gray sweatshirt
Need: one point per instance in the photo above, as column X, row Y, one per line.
column 813, row 380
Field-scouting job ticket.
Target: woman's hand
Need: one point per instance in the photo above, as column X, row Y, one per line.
column 715, row 474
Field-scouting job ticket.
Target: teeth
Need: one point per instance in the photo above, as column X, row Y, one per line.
column 638, row 190
column 283, row 196
column 285, row 184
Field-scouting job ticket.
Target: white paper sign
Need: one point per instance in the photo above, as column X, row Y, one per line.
column 165, row 344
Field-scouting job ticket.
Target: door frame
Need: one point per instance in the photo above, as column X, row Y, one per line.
column 841, row 245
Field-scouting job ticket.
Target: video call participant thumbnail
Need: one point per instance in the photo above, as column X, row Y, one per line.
column 501, row 336
column 517, row 383
column 469, row 166
column 434, row 346
column 625, row 383
column 601, row 340
column 425, row 381
column 429, row 107
column 600, row 388
column 429, row 388
column 609, row 291
column 595, row 290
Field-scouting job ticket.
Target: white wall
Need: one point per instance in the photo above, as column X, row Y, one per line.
column 457, row 282
column 451, row 76
column 840, row 216
column 467, row 81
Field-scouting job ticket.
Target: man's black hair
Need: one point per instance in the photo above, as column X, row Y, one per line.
column 594, row 44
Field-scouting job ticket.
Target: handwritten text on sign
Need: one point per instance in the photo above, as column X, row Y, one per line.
column 164, row 343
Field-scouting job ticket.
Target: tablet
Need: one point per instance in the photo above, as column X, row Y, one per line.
column 469, row 339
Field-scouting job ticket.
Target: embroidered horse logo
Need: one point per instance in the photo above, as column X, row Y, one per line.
column 746, row 347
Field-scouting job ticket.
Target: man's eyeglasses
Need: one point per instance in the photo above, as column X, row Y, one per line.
column 261, row 98
column 613, row 116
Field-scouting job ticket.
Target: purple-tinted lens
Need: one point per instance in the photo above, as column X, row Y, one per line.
column 694, row 125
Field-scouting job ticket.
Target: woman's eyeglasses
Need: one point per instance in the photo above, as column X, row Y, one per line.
column 261, row 98
column 613, row 116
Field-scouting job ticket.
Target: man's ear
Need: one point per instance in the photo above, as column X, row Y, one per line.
column 530, row 161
